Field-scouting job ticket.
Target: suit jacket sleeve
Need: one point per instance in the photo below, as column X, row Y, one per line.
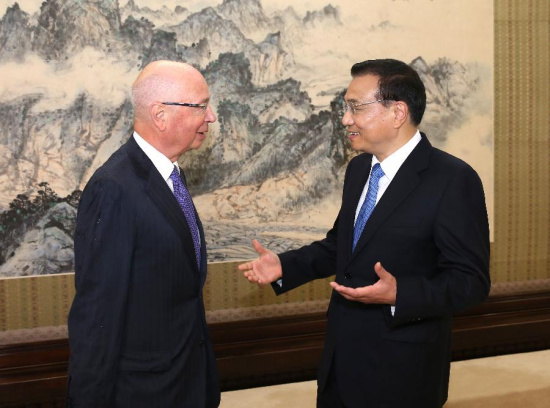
column 103, row 245
column 462, row 237
column 315, row 261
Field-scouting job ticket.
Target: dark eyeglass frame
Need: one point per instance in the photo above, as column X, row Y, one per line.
column 202, row 106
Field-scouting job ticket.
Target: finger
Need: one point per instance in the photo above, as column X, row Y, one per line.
column 251, row 276
column 258, row 247
column 344, row 290
column 248, row 266
column 380, row 271
column 338, row 289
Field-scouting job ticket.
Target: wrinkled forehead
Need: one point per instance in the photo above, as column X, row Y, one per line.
column 168, row 80
column 193, row 88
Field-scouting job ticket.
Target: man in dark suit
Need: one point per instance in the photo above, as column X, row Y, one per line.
column 137, row 327
column 410, row 248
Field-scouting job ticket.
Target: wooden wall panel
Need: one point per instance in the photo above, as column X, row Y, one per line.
column 275, row 350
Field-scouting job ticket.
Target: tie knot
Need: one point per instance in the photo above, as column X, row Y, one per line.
column 175, row 175
column 377, row 173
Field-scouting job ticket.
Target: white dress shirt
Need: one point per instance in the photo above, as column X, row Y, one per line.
column 162, row 163
column 390, row 166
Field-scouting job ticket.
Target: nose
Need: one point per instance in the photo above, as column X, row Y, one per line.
column 210, row 115
column 347, row 119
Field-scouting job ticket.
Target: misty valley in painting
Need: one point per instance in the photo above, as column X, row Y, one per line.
column 273, row 164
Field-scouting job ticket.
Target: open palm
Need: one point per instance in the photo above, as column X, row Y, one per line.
column 264, row 269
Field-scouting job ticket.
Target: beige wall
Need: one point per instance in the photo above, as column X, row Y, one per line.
column 520, row 253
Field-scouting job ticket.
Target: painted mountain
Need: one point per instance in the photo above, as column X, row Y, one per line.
column 273, row 165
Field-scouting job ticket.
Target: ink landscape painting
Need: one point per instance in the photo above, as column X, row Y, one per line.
column 272, row 167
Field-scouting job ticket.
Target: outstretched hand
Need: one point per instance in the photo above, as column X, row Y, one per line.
column 382, row 292
column 264, row 269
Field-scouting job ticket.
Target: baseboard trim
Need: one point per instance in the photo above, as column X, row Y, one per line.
column 275, row 350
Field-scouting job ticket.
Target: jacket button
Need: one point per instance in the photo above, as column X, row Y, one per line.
column 347, row 276
column 201, row 343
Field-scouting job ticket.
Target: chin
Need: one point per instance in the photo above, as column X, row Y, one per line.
column 195, row 145
column 356, row 146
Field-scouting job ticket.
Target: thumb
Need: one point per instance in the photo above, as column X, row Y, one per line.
column 380, row 271
column 258, row 247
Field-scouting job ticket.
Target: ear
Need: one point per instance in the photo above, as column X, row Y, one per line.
column 159, row 116
column 401, row 113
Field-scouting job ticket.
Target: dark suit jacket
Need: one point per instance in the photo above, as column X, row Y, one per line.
column 430, row 231
column 137, row 327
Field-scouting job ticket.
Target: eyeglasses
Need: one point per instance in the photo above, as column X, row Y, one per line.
column 202, row 106
column 352, row 107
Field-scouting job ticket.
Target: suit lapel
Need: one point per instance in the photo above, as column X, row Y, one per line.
column 159, row 192
column 404, row 182
column 204, row 258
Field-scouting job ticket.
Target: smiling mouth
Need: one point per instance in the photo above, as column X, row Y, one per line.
column 353, row 134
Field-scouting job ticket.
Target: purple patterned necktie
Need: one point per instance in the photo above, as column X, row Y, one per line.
column 186, row 204
column 368, row 205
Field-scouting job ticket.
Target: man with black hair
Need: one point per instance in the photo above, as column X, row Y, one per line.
column 409, row 248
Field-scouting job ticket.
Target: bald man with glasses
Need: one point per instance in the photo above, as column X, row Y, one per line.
column 409, row 248
column 137, row 327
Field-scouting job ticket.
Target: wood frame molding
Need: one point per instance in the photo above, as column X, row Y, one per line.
column 260, row 352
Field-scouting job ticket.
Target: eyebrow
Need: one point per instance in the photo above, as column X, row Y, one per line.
column 202, row 101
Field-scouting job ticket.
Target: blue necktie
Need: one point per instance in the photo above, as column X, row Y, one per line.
column 186, row 204
column 368, row 205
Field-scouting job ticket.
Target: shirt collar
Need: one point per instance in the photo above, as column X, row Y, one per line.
column 393, row 162
column 160, row 161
